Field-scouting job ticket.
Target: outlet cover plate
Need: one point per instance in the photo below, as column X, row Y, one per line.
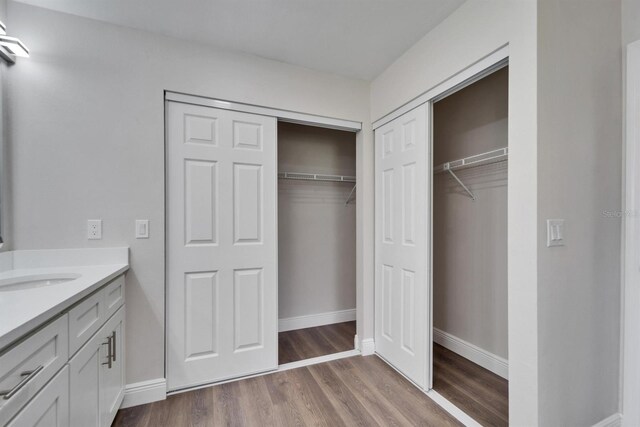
column 94, row 229
column 555, row 232
column 142, row 228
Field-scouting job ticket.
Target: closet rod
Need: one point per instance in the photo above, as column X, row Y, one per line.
column 316, row 177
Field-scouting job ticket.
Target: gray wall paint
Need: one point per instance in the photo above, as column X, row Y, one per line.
column 316, row 231
column 630, row 21
column 85, row 122
column 580, row 151
column 470, row 237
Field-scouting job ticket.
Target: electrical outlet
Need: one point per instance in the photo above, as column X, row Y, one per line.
column 94, row 229
column 142, row 228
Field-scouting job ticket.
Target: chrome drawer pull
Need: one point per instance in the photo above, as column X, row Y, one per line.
column 109, row 356
column 28, row 376
column 113, row 340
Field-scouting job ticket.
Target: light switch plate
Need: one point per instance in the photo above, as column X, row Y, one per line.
column 555, row 232
column 142, row 228
column 94, row 229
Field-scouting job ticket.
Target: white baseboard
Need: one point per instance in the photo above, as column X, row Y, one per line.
column 367, row 347
column 313, row 320
column 490, row 361
column 614, row 420
column 144, row 392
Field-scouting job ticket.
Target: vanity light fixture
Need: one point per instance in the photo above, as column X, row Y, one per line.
column 10, row 47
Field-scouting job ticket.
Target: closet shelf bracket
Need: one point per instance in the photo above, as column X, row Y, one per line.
column 447, row 168
column 350, row 194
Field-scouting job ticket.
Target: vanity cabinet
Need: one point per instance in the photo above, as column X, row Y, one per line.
column 50, row 407
column 96, row 372
column 70, row 372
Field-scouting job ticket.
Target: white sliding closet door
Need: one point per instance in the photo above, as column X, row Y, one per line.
column 402, row 309
column 221, row 245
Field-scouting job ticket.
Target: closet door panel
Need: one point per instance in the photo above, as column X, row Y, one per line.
column 221, row 244
column 402, row 292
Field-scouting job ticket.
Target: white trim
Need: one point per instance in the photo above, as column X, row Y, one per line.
column 281, row 368
column 282, row 115
column 144, row 392
column 319, row 359
column 313, row 320
column 630, row 372
column 496, row 364
column 452, row 409
column 368, row 346
column 487, row 65
column 614, row 420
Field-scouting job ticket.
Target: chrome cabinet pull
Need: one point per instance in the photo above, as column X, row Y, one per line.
column 28, row 376
column 109, row 355
column 113, row 340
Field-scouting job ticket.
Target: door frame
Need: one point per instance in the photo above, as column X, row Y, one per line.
column 490, row 63
column 280, row 115
column 630, row 318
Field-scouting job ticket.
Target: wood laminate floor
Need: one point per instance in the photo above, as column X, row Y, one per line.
column 304, row 344
column 358, row 390
column 480, row 393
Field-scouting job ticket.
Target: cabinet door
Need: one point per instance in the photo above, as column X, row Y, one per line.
column 112, row 377
column 49, row 408
column 84, row 382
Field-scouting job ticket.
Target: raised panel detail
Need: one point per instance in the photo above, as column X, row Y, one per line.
column 200, row 130
column 387, row 301
column 409, row 135
column 247, row 135
column 387, row 206
column 407, row 325
column 201, row 315
column 387, row 143
column 408, row 203
column 248, row 309
column 247, row 203
column 201, row 202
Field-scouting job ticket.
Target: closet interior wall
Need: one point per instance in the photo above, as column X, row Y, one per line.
column 316, row 228
column 470, row 237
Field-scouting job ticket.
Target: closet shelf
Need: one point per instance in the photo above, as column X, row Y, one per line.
column 316, row 177
column 320, row 177
column 487, row 158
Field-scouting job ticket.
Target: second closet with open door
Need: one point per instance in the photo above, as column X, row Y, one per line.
column 316, row 242
column 469, row 238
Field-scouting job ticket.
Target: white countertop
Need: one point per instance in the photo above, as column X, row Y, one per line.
column 23, row 310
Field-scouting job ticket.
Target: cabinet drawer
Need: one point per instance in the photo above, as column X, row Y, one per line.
column 50, row 407
column 113, row 296
column 85, row 319
column 26, row 368
column 89, row 315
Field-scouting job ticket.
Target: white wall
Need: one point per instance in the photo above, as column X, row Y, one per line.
column 630, row 375
column 316, row 230
column 579, row 161
column 470, row 236
column 85, row 125
column 473, row 31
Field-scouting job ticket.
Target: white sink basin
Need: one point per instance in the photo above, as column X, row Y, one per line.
column 36, row 281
